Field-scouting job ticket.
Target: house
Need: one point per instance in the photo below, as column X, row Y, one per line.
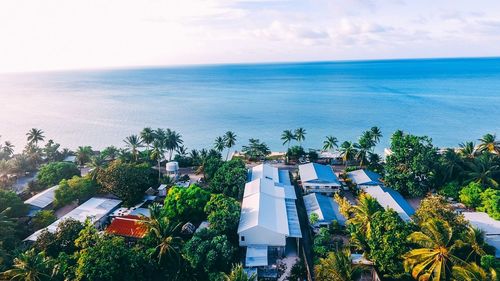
column 318, row 178
column 162, row 190
column 130, row 227
column 41, row 201
column 95, row 209
column 70, row 159
column 391, row 199
column 363, row 177
column 325, row 207
column 269, row 215
column 488, row 225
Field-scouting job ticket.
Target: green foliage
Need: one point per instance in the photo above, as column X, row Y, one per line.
column 436, row 207
column 411, row 168
column 110, row 259
column 73, row 189
column 52, row 173
column 387, row 242
column 312, row 156
column 62, row 240
column 230, row 179
column 223, row 214
column 256, row 150
column 337, row 266
column 43, row 218
column 210, row 167
column 186, row 204
column 127, row 181
column 11, row 205
column 324, row 243
column 450, row 189
column 490, row 203
column 295, row 152
column 470, row 195
column 313, row 218
column 210, row 252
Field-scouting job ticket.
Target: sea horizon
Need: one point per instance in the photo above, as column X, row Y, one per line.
column 259, row 100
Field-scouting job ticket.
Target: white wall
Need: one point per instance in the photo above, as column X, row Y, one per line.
column 261, row 236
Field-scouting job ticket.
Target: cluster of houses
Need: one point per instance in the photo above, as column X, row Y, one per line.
column 269, row 228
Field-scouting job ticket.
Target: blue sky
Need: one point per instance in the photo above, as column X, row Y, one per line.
column 61, row 34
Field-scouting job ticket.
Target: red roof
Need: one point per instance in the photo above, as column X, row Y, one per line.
column 127, row 226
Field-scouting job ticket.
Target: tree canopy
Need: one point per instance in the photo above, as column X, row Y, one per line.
column 230, row 179
column 52, row 173
column 186, row 204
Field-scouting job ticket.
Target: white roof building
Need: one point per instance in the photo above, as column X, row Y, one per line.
column 268, row 213
column 391, row 199
column 488, row 225
column 96, row 209
column 318, row 178
column 323, row 206
column 43, row 199
column 364, row 177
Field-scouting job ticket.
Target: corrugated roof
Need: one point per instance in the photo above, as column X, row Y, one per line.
column 43, row 199
column 324, row 207
column 256, row 256
column 389, row 198
column 265, row 171
column 94, row 209
column 364, row 177
column 128, row 226
column 488, row 225
column 317, row 173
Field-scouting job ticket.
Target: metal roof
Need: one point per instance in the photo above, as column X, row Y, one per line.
column 256, row 256
column 128, row 226
column 94, row 209
column 324, row 207
column 364, row 177
column 317, row 173
column 43, row 199
column 389, row 198
column 488, row 225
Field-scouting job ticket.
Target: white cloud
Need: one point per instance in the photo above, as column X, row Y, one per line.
column 55, row 34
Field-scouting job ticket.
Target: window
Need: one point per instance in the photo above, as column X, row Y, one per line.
column 242, row 238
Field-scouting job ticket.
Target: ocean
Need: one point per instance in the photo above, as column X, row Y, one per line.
column 450, row 100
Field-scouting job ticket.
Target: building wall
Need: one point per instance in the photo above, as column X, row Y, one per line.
column 314, row 187
column 261, row 236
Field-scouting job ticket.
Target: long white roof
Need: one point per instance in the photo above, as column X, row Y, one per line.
column 269, row 202
column 488, row 225
column 94, row 209
column 317, row 173
column 389, row 198
column 43, row 199
column 364, row 177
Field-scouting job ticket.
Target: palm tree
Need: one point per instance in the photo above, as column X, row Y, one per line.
column 83, row 154
column 330, row 143
column 181, row 151
column 172, row 142
column 468, row 149
column 97, row 164
column 238, row 274
column 376, row 134
column 147, row 136
column 300, row 135
column 364, row 211
column 484, row 170
column 133, row 142
column 164, row 232
column 473, row 272
column 338, row 267
column 8, row 148
column 230, row 139
column 452, row 164
column 287, row 136
column 434, row 258
column 35, row 136
column 29, row 266
column 347, row 151
column 362, row 151
column 219, row 144
column 474, row 239
column 489, row 143
column 157, row 153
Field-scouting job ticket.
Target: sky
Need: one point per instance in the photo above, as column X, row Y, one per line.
column 79, row 34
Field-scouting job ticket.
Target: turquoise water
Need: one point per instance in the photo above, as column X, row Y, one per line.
column 451, row 100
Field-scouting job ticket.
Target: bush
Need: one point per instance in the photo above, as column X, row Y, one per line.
column 471, row 195
column 230, row 179
column 450, row 190
column 73, row 189
column 490, row 203
column 43, row 219
column 52, row 173
column 11, row 205
column 186, row 204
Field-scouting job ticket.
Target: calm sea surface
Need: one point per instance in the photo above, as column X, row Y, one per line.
column 451, row 100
